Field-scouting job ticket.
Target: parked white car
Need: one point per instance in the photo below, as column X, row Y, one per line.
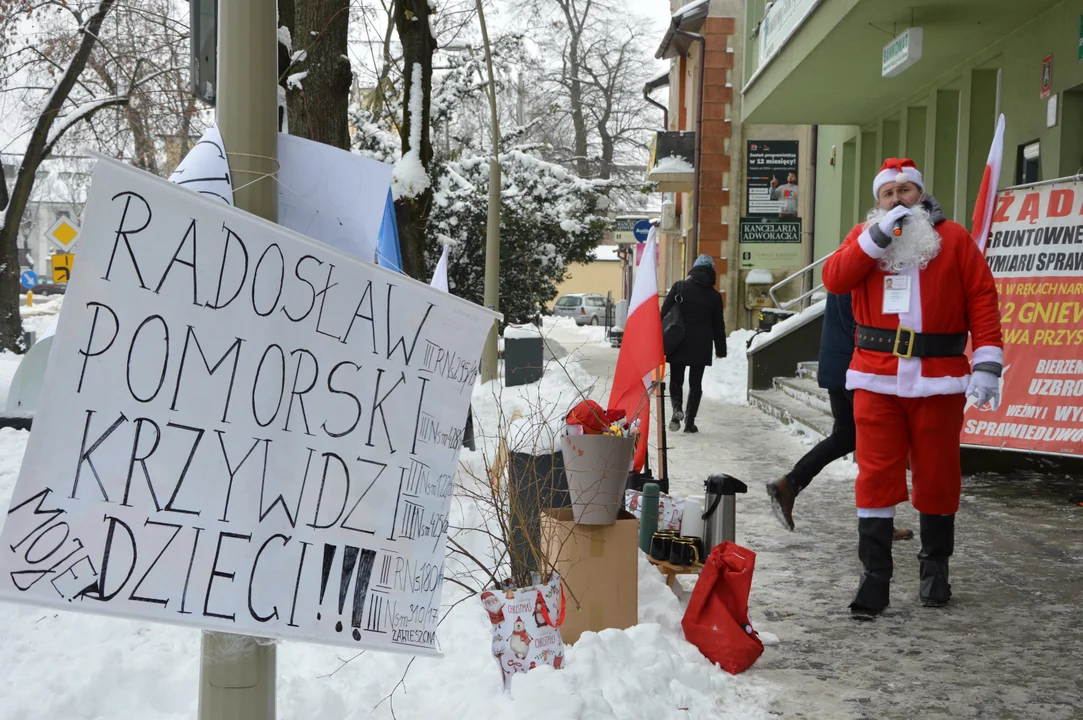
column 585, row 308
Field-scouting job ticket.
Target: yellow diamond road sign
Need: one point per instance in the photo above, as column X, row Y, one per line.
column 63, row 233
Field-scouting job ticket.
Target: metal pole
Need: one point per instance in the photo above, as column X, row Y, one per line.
column 237, row 673
column 489, row 364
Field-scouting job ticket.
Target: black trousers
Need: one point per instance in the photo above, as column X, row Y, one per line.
column 676, row 380
column 840, row 443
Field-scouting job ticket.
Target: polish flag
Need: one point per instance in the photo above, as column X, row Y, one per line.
column 641, row 350
column 439, row 276
column 983, row 209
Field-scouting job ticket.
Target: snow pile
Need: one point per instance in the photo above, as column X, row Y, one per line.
column 727, row 379
column 83, row 667
column 521, row 332
column 672, row 164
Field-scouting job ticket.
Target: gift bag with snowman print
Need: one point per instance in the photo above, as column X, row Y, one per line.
column 526, row 626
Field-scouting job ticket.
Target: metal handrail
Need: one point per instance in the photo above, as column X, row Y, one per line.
column 799, row 274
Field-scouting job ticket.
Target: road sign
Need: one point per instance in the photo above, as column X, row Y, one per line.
column 62, row 267
column 641, row 230
column 64, row 234
column 29, row 279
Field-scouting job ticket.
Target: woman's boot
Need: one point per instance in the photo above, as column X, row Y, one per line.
column 874, row 549
column 937, row 545
column 693, row 408
column 676, row 393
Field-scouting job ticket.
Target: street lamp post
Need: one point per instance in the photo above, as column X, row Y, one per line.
column 237, row 673
column 490, row 368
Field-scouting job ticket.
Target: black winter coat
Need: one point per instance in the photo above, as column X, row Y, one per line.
column 836, row 342
column 704, row 326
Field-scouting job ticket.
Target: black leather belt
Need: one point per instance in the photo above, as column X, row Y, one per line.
column 905, row 343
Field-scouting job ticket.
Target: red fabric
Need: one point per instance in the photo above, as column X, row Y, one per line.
column 640, row 354
column 957, row 294
column 590, row 415
column 925, row 430
column 716, row 620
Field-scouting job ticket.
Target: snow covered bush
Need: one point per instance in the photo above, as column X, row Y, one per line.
column 549, row 219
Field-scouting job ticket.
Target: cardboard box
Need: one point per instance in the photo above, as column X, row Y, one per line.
column 600, row 566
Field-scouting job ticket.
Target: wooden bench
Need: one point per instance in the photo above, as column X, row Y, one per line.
column 671, row 571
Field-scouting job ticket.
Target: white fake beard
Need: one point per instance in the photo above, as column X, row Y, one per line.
column 916, row 247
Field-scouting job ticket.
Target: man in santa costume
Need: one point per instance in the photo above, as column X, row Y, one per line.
column 919, row 286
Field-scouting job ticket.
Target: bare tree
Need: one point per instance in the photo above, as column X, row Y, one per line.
column 48, row 129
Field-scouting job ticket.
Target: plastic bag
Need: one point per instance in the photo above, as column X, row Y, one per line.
column 526, row 626
column 716, row 620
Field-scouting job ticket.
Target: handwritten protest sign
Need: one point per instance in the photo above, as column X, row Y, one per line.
column 241, row 430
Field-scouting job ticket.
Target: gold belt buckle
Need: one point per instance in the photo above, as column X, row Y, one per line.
column 909, row 345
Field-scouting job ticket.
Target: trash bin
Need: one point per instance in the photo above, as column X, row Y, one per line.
column 523, row 355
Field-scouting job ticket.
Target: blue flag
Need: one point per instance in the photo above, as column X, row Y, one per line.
column 388, row 252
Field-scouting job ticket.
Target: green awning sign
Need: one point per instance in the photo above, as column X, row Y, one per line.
column 902, row 52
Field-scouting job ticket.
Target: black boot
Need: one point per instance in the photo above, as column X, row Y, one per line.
column 937, row 545
column 693, row 408
column 874, row 549
column 676, row 393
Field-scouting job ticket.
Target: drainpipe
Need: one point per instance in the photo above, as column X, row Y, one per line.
column 652, row 101
column 811, row 255
column 699, row 127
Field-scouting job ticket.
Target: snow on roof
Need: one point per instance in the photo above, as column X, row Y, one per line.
column 689, row 8
column 606, row 253
column 672, row 164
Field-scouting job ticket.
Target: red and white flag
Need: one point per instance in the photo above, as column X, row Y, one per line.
column 641, row 350
column 983, row 209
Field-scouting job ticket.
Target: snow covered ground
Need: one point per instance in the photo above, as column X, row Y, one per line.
column 72, row 666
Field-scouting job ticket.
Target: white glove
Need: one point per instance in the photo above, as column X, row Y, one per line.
column 887, row 225
column 985, row 387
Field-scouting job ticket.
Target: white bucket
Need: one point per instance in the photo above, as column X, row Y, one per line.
column 597, row 469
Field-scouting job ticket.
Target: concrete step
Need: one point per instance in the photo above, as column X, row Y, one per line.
column 790, row 411
column 804, row 391
column 809, row 371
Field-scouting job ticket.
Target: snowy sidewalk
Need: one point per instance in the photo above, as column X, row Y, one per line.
column 1006, row 647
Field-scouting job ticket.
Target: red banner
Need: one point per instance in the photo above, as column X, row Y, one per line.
column 1035, row 251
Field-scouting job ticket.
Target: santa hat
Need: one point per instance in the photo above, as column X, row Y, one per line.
column 897, row 170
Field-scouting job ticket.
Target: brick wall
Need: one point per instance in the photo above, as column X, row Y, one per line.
column 715, row 160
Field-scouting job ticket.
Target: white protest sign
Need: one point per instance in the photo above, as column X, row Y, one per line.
column 205, row 168
column 334, row 196
column 241, row 429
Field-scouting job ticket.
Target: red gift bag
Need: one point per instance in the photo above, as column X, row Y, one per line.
column 716, row 620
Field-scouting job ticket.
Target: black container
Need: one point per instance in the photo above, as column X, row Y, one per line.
column 537, row 483
column 697, row 543
column 523, row 360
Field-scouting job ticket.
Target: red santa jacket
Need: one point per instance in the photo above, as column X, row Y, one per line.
column 954, row 294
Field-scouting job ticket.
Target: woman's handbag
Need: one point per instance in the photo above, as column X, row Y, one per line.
column 673, row 326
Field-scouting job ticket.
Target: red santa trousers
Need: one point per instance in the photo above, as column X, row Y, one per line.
column 926, row 430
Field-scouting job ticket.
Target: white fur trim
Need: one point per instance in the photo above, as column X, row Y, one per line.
column 888, row 512
column 899, row 387
column 892, row 175
column 869, row 246
column 989, row 353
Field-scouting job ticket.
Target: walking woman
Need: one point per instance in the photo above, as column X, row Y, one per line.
column 701, row 308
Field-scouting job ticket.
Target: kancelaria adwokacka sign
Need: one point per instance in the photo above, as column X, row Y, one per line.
column 241, row 429
column 1035, row 251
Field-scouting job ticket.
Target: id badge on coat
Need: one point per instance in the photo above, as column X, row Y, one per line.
column 896, row 295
